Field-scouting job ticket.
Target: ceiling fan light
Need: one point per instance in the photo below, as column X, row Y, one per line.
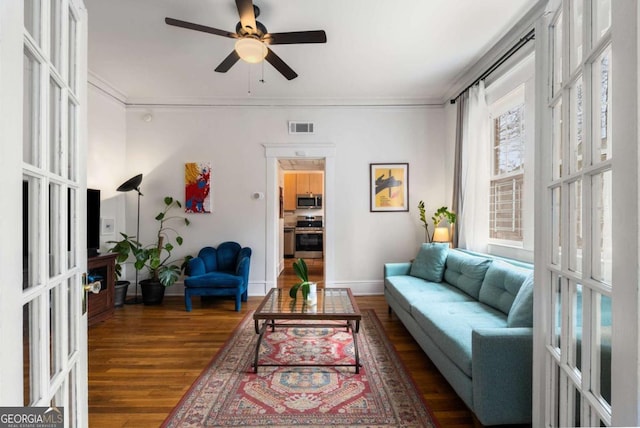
column 251, row 50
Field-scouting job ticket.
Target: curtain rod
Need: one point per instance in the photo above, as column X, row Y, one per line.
column 531, row 35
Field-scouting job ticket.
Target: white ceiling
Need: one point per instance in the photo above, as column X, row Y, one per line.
column 412, row 50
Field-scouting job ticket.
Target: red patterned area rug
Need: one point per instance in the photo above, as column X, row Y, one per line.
column 229, row 393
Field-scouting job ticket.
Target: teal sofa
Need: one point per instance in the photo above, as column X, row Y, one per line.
column 472, row 315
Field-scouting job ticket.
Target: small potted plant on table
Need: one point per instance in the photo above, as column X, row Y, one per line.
column 308, row 288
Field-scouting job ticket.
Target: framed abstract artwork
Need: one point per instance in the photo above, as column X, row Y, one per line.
column 389, row 187
column 197, row 190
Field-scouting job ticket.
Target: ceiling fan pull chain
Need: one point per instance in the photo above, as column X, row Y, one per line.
column 249, row 79
column 262, row 80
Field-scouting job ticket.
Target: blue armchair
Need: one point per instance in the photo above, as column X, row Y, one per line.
column 219, row 272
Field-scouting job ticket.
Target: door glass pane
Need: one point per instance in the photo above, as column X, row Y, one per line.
column 72, row 223
column 557, row 141
column 556, row 282
column 575, row 352
column 602, row 365
column 601, row 10
column 556, row 232
column 31, row 233
column 602, row 142
column 55, row 211
column 72, row 52
column 55, row 130
column 556, row 70
column 601, row 227
column 577, row 126
column 55, row 31
column 577, row 406
column 56, row 328
column 32, row 15
column 31, row 110
column 71, row 152
column 31, row 352
column 575, row 226
column 576, row 34
column 72, row 286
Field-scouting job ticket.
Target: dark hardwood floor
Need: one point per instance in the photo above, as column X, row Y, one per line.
column 143, row 360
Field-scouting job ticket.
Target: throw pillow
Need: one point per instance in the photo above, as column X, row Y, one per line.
column 430, row 262
column 521, row 313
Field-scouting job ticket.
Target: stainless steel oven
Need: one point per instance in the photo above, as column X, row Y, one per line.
column 309, row 237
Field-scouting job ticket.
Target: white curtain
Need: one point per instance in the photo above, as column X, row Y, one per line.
column 474, row 175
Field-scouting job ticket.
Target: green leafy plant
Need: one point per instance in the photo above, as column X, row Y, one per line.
column 155, row 257
column 423, row 219
column 441, row 214
column 302, row 272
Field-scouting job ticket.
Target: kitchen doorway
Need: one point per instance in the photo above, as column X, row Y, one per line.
column 302, row 221
column 274, row 245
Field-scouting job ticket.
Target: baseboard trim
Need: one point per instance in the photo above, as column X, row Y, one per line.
column 260, row 288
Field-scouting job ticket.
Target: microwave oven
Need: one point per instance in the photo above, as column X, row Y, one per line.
column 309, row 201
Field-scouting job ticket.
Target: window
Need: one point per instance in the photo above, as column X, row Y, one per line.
column 507, row 170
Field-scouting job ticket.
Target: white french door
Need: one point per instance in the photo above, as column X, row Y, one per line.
column 43, row 72
column 588, row 296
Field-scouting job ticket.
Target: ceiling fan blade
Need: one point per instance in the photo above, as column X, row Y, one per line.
column 293, row 37
column 247, row 15
column 198, row 27
column 280, row 65
column 228, row 62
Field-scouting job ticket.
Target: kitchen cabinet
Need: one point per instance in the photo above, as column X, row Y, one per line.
column 290, row 192
column 307, row 183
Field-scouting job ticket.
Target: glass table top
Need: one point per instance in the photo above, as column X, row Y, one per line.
column 330, row 303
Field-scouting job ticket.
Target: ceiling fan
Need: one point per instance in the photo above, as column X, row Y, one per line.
column 252, row 39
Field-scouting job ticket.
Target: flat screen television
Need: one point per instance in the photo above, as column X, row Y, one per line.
column 93, row 222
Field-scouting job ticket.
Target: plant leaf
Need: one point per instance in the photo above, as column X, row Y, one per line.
column 294, row 290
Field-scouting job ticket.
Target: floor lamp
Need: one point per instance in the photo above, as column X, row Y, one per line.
column 134, row 184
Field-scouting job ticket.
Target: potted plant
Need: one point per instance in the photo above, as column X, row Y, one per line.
column 121, row 287
column 308, row 288
column 423, row 219
column 155, row 257
column 439, row 215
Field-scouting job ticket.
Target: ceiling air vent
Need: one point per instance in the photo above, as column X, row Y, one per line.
column 300, row 127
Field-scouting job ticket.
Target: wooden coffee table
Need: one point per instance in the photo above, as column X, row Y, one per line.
column 333, row 304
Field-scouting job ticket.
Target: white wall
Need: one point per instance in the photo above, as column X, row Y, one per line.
column 106, row 158
column 232, row 139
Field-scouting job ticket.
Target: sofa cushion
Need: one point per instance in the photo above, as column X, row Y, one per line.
column 409, row 289
column 450, row 326
column 214, row 279
column 430, row 261
column 501, row 285
column 521, row 313
column 465, row 271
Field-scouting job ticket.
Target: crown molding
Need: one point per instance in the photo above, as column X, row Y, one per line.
column 485, row 60
column 106, row 87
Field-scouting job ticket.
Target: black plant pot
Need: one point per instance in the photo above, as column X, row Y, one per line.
column 152, row 291
column 121, row 293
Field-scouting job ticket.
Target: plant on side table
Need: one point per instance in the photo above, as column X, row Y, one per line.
column 438, row 217
column 155, row 257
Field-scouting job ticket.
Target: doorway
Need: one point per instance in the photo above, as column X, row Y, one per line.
column 274, row 153
column 301, row 223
